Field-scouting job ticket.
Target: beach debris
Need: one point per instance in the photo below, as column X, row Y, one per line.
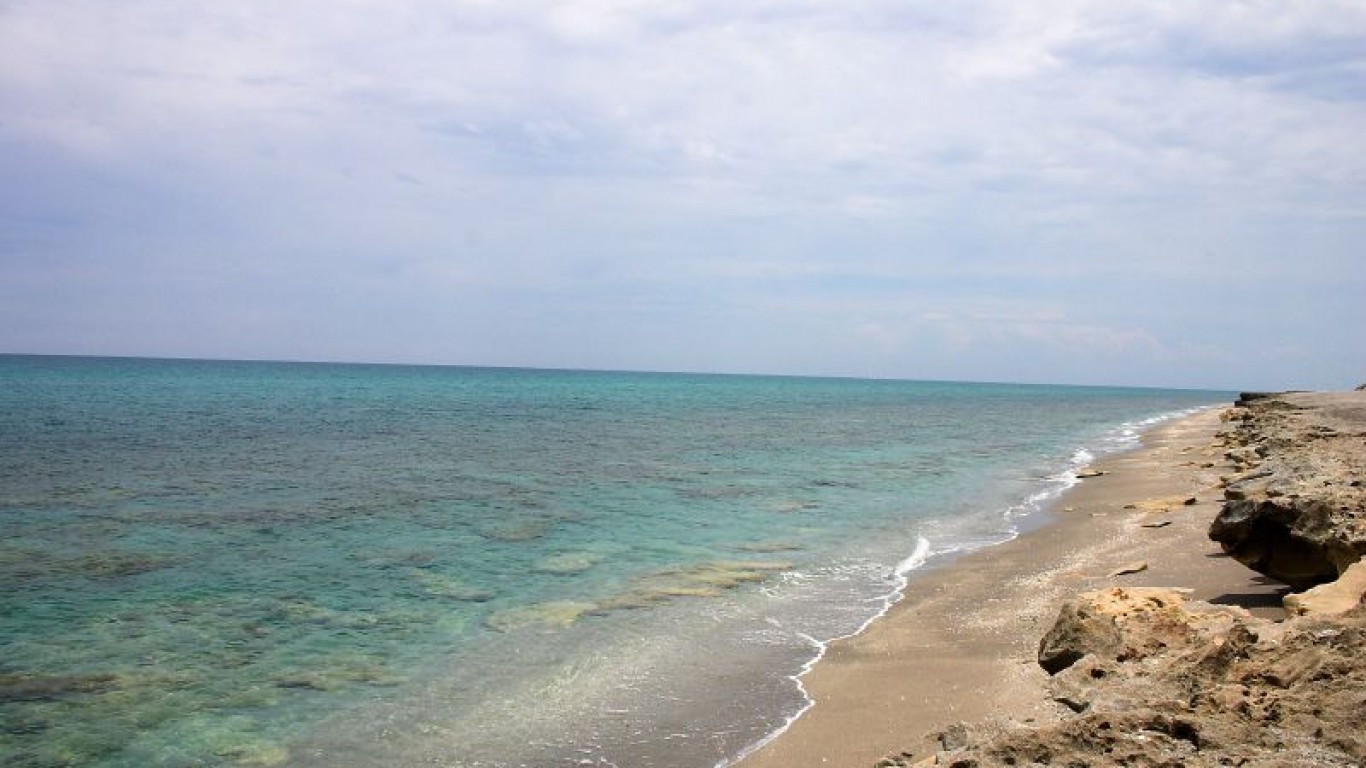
column 1138, row 566
column 1082, row 474
column 1158, row 505
column 1158, row 524
column 905, row 760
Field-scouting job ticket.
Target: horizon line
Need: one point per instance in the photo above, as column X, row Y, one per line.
column 643, row 371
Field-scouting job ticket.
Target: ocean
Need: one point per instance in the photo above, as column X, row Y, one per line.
column 209, row 563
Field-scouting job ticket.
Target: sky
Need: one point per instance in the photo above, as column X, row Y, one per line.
column 1161, row 193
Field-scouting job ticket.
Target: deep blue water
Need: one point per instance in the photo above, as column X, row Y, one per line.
column 241, row 563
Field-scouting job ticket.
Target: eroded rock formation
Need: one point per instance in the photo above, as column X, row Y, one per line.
column 1296, row 509
column 1188, row 684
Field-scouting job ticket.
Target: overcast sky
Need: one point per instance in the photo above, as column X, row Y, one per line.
column 1155, row 193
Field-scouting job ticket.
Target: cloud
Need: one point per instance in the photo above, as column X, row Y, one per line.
column 604, row 161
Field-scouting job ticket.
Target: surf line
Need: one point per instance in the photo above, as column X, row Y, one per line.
column 900, row 578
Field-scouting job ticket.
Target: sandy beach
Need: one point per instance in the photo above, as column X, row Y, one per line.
column 961, row 645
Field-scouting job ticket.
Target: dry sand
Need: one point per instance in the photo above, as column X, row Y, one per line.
column 961, row 644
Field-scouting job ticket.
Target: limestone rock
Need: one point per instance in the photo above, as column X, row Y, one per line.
column 1194, row 685
column 1127, row 622
column 1335, row 597
column 1080, row 630
column 1297, row 511
column 1286, row 540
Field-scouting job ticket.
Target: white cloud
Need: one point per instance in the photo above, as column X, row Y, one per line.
column 753, row 153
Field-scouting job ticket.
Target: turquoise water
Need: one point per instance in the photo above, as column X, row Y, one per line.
column 222, row 563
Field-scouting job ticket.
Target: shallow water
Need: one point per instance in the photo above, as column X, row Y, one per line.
column 217, row 563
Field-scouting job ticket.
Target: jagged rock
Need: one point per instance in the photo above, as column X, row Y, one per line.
column 1247, row 398
column 954, row 737
column 1079, row 630
column 1285, row 541
column 1127, row 622
column 1299, row 516
column 1198, row 686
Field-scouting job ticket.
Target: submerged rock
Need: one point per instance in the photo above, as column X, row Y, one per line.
column 769, row 547
column 553, row 614
column 569, row 563
column 702, row 580
column 112, row 565
column 22, row 687
column 441, row 585
column 517, row 531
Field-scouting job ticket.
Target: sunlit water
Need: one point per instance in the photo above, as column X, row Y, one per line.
column 215, row 563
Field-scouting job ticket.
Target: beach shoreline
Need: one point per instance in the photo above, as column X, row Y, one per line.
column 552, row 575
column 960, row 645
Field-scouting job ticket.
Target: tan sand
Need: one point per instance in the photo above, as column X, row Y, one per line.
column 961, row 645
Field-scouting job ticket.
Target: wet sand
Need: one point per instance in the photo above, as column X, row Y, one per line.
column 961, row 644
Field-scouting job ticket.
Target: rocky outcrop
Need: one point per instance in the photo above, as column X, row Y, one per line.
column 1156, row 681
column 1296, row 508
column 1172, row 683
